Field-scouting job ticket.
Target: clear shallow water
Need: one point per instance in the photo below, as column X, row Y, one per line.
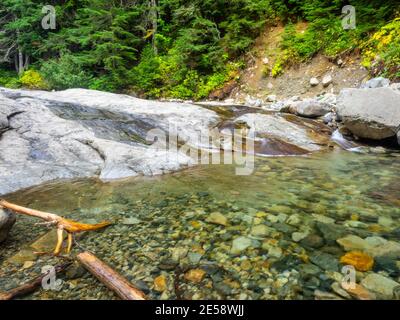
column 161, row 230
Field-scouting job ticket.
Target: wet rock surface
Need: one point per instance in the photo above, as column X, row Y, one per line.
column 7, row 220
column 83, row 133
column 275, row 127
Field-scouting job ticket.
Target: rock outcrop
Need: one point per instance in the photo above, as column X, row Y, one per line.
column 275, row 127
column 83, row 133
column 80, row 133
column 7, row 220
column 370, row 113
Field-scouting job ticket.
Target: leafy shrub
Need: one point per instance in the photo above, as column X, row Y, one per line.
column 33, row 80
column 65, row 73
column 169, row 76
column 325, row 33
column 103, row 83
column 210, row 84
column 326, row 37
column 277, row 69
column 382, row 51
column 9, row 79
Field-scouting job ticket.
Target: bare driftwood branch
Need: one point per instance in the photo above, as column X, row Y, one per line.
column 113, row 280
column 69, row 226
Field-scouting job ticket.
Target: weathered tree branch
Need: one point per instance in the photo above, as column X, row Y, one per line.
column 62, row 224
column 105, row 274
column 113, row 280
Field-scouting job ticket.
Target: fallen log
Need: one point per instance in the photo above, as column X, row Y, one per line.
column 110, row 278
column 62, row 224
column 30, row 286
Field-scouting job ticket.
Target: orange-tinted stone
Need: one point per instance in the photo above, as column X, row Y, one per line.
column 195, row 275
column 359, row 292
column 232, row 283
column 266, row 264
column 160, row 283
column 359, row 260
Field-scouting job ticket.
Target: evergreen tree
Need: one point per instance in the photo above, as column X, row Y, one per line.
column 20, row 32
column 169, row 47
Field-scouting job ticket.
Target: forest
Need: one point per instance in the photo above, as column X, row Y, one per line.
column 179, row 49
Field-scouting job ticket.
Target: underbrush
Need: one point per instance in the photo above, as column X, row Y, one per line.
column 381, row 54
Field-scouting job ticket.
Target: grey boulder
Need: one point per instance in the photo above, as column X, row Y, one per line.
column 7, row 220
column 309, row 108
column 379, row 82
column 370, row 113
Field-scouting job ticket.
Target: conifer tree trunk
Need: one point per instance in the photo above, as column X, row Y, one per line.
column 154, row 16
column 20, row 69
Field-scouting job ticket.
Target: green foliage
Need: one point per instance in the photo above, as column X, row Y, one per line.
column 102, row 83
column 64, row 73
column 20, row 24
column 169, row 76
column 32, row 79
column 174, row 48
column 9, row 79
column 113, row 46
column 324, row 33
column 146, row 76
column 277, row 69
column 211, row 83
column 381, row 53
column 331, row 40
column 243, row 22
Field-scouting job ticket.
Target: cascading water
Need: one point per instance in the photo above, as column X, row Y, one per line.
column 342, row 141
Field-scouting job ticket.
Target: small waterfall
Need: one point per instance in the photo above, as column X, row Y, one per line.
column 341, row 140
